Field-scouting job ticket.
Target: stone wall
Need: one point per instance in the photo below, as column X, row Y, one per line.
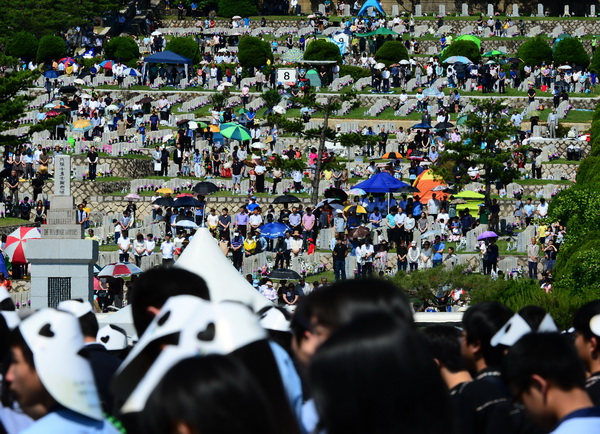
column 122, row 167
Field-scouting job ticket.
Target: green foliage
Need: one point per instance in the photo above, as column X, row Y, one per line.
column 185, row 47
column 595, row 64
column 320, row 49
column 23, row 45
column 535, row 51
column 230, row 8
column 51, row 48
column 254, row 52
column 465, row 48
column 391, row 52
column 13, row 102
column 218, row 100
column 122, row 49
column 570, row 50
column 271, row 97
column 356, row 72
column 588, row 172
column 282, row 163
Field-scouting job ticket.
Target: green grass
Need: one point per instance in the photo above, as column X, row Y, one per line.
column 111, row 179
column 562, row 161
column 11, row 221
column 543, row 181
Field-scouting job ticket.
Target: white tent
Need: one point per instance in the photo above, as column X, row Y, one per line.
column 204, row 257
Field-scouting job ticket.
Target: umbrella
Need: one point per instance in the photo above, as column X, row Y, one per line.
column 120, row 269
column 107, row 64
column 16, row 243
column 494, row 53
column 188, row 224
column 564, row 67
column 194, row 125
column 431, row 233
column 97, row 269
column 241, row 111
column 67, row 89
column 146, row 100
column 50, row 105
column 258, row 145
column 409, row 189
column 392, row 156
column 156, row 33
column 336, row 193
column 381, row 183
column 487, row 234
column 514, row 60
column 186, row 201
column 235, row 132
column 358, row 209
column 440, row 187
column 457, row 59
column 293, row 55
column 534, row 113
column 132, row 72
column 236, row 17
column 81, row 126
column 52, row 113
column 78, row 81
column 67, row 60
column 426, row 182
column 377, row 32
column 329, row 202
column 359, row 232
column 404, row 62
column 357, row 191
column 51, row 73
column 286, row 198
column 164, row 201
column 468, row 194
column 205, row 188
column 421, row 126
column 471, row 38
column 166, row 138
column 461, row 120
column 379, row 65
column 279, row 110
column 444, row 125
column 284, row 274
column 164, row 190
column 133, row 196
column 274, row 230
column 112, row 108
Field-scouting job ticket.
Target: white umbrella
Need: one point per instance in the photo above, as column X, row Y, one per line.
column 85, row 96
column 564, row 67
column 236, row 17
column 156, row 33
column 193, row 125
column 166, row 138
column 379, row 66
column 404, row 62
column 78, row 81
column 279, row 109
column 227, row 83
column 188, row 224
column 258, row 145
column 112, row 108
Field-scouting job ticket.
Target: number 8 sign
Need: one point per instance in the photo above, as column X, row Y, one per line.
column 286, row 75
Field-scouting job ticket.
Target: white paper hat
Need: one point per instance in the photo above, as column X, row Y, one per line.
column 228, row 327
column 595, row 325
column 517, row 327
column 77, row 308
column 274, row 319
column 55, row 339
column 11, row 317
column 3, row 294
column 112, row 338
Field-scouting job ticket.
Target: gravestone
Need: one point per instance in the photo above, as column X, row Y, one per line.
column 464, row 10
column 561, row 110
column 511, row 31
column 347, row 10
column 592, row 10
column 579, row 32
column 421, row 30
column 567, row 12
column 322, row 9
column 515, row 10
column 467, row 30
column 507, row 264
column 418, row 10
column 540, row 10
column 524, row 238
column 557, row 31
column 442, row 9
column 61, row 261
column 395, row 10
column 490, row 10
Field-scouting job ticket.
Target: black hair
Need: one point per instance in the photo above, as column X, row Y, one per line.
column 481, row 322
column 581, row 319
column 16, row 339
column 533, row 315
column 89, row 325
column 156, row 285
column 7, row 305
column 373, row 375
column 552, row 356
column 214, row 394
column 282, row 338
column 444, row 343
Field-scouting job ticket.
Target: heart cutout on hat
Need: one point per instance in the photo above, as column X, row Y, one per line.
column 163, row 319
column 208, row 334
column 105, row 339
column 46, row 331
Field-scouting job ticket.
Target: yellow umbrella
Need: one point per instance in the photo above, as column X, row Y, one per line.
column 355, row 208
column 164, row 191
column 82, row 123
column 214, row 128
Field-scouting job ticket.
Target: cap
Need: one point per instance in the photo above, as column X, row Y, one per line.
column 55, row 339
column 77, row 308
column 517, row 327
column 112, row 337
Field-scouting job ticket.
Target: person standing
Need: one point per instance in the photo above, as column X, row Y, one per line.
column 413, row 256
column 433, row 206
column 156, row 159
column 438, row 251
column 529, row 210
column 237, row 249
column 340, row 251
column 92, row 159
column 167, row 249
column 124, row 244
column 367, row 253
column 164, row 161
column 150, row 245
column 533, row 253
column 552, row 123
column 308, row 226
column 139, row 249
column 13, row 186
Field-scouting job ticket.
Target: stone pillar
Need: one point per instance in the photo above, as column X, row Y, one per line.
column 540, row 10
column 418, row 10
column 442, row 9
column 592, row 10
column 490, row 10
column 61, row 261
column 515, row 10
column 567, row 12
column 464, row 10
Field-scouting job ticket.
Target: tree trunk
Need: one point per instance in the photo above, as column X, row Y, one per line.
column 319, row 163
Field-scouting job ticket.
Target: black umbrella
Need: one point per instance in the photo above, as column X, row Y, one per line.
column 514, row 60
column 336, row 193
column 359, row 232
column 182, row 122
column 68, row 89
column 186, row 201
column 409, row 189
column 145, row 100
column 444, row 125
column 205, row 188
column 286, row 198
column 138, row 112
column 284, row 274
column 5, row 173
column 165, row 201
column 329, row 202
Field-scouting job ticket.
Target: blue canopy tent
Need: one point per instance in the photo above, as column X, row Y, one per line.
column 381, row 182
column 371, row 4
column 167, row 57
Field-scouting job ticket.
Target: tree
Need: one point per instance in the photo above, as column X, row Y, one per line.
column 320, row 49
column 185, row 47
column 391, row 52
column 51, row 48
column 466, row 48
column 482, row 146
column 570, row 50
column 244, row 8
column 595, row 65
column 271, row 98
column 22, row 45
column 254, row 52
column 13, row 102
column 535, row 51
column 122, row 49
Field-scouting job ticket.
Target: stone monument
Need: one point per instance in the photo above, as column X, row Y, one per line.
column 540, row 10
column 515, row 10
column 592, row 10
column 490, row 10
column 61, row 261
column 418, row 10
column 464, row 10
column 442, row 9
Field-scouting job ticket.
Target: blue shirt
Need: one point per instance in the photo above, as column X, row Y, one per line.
column 438, row 256
column 417, row 209
column 584, row 421
column 65, row 421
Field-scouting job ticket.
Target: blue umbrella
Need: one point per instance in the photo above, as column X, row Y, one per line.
column 381, row 183
column 51, row 73
column 421, row 126
column 273, row 230
column 458, row 59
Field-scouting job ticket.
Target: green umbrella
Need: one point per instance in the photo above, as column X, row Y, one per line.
column 241, row 111
column 494, row 53
column 235, row 132
column 470, row 38
column 468, row 194
column 461, row 120
column 379, row 31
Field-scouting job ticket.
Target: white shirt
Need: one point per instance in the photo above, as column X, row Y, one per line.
column 542, row 209
column 150, row 245
column 400, row 219
column 255, row 219
column 124, row 244
column 365, row 250
column 167, row 249
column 443, row 216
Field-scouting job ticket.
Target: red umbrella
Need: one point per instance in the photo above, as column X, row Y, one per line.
column 67, row 60
column 185, row 195
column 52, row 113
column 119, row 269
column 16, row 242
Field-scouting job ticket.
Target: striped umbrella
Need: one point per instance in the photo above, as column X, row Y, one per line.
column 293, row 55
column 67, row 61
column 81, row 126
column 107, row 64
column 235, row 132
column 16, row 242
column 119, row 269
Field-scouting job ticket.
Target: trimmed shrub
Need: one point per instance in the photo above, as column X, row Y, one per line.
column 535, row 51
column 391, row 52
column 570, row 50
column 51, row 48
column 355, row 72
column 230, row 8
column 185, row 47
column 320, row 49
column 22, row 45
column 463, row 48
column 254, row 52
column 122, row 49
